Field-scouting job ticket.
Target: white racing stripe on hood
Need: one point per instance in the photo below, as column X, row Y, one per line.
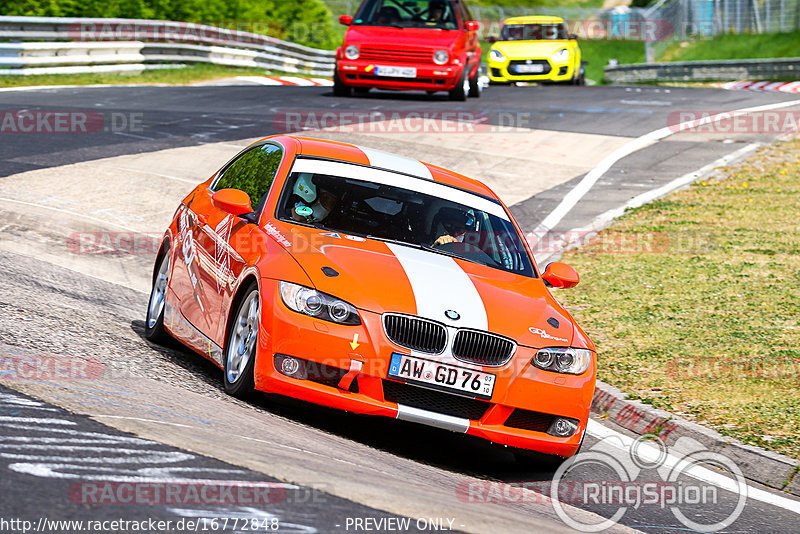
column 393, row 162
column 439, row 284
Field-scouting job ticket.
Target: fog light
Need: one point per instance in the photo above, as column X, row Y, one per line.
column 290, row 366
column 563, row 427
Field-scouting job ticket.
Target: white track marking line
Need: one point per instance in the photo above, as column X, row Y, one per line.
column 604, row 218
column 599, row 431
column 579, row 191
column 72, row 213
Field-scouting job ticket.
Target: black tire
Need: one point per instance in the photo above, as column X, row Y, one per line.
column 580, row 79
column 238, row 374
column 475, row 88
column 459, row 92
column 154, row 320
column 339, row 88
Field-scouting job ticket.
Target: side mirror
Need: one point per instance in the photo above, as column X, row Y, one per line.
column 473, row 26
column 347, row 20
column 561, row 275
column 491, row 39
column 232, row 201
column 572, row 37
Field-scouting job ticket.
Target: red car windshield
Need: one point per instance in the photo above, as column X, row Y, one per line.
column 408, row 14
column 533, row 32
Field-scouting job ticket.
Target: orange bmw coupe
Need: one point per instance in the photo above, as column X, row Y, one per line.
column 377, row 284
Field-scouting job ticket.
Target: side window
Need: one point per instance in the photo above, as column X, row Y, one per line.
column 253, row 172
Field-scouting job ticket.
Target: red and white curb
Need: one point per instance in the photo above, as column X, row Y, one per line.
column 287, row 80
column 783, row 87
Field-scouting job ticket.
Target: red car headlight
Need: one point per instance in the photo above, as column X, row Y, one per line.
column 351, row 52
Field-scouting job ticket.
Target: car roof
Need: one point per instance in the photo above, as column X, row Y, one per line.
column 384, row 160
column 532, row 19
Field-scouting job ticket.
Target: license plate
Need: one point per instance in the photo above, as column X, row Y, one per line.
column 442, row 376
column 536, row 67
column 396, row 72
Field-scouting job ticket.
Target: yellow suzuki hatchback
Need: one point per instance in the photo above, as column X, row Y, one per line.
column 532, row 49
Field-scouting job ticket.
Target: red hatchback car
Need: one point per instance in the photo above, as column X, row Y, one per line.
column 427, row 45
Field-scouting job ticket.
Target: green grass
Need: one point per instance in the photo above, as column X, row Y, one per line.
column 183, row 76
column 742, row 46
column 692, row 301
column 597, row 53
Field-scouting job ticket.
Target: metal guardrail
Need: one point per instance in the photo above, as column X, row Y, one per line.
column 705, row 71
column 49, row 45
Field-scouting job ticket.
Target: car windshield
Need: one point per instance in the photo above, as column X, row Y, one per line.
column 389, row 206
column 408, row 14
column 533, row 32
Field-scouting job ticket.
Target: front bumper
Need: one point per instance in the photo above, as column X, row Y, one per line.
column 555, row 71
column 430, row 77
column 355, row 380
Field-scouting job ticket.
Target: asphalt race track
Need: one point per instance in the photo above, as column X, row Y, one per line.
column 158, row 416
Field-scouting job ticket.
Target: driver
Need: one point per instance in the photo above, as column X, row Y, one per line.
column 436, row 12
column 456, row 223
column 314, row 206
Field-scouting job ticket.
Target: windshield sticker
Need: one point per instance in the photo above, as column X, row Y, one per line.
column 333, row 234
column 303, row 211
column 541, row 333
column 354, row 238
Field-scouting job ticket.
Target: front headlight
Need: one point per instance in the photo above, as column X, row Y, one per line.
column 563, row 360
column 351, row 52
column 317, row 304
column 496, row 55
column 561, row 55
column 440, row 57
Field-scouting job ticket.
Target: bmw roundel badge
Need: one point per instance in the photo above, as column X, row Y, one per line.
column 452, row 315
